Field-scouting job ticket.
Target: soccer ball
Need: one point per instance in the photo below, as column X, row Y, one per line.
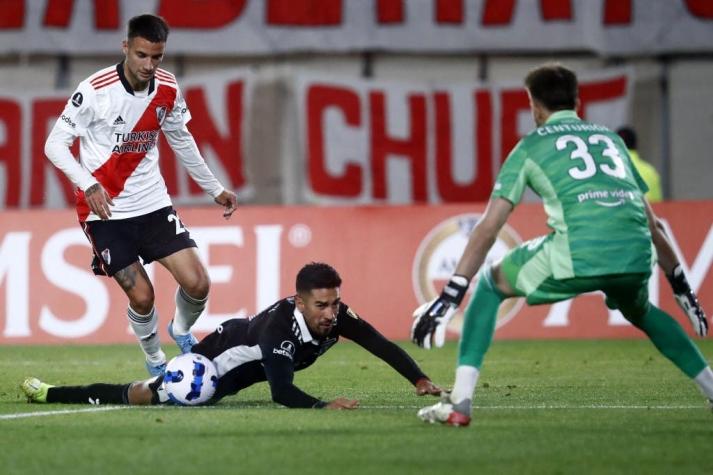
column 190, row 379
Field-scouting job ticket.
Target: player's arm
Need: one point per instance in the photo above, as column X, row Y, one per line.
column 483, row 237
column 431, row 319
column 670, row 264
column 184, row 146
column 76, row 117
column 279, row 370
column 436, row 314
column 362, row 333
column 57, row 150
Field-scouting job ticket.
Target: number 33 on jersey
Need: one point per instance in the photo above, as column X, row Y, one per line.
column 592, row 194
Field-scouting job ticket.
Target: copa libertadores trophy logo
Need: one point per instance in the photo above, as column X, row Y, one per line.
column 437, row 257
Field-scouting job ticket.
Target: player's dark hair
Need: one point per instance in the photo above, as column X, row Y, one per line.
column 553, row 86
column 149, row 27
column 628, row 135
column 317, row 275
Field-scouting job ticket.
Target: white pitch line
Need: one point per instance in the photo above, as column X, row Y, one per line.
column 61, row 412
column 414, row 407
column 475, row 408
column 549, row 407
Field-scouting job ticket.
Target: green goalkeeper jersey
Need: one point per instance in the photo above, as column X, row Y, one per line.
column 591, row 192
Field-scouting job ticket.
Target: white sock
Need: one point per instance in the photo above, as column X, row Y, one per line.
column 464, row 387
column 188, row 309
column 145, row 328
column 704, row 380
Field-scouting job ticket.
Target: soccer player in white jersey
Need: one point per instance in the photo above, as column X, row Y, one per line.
column 122, row 202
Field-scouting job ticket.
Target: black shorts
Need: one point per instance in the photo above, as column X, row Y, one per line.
column 121, row 242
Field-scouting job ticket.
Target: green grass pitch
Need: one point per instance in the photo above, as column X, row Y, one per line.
column 542, row 407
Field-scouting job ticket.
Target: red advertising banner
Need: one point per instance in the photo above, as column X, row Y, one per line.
column 386, row 142
column 390, row 258
column 610, row 27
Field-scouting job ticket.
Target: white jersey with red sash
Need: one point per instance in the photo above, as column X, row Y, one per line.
column 118, row 130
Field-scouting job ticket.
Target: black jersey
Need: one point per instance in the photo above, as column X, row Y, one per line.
column 275, row 343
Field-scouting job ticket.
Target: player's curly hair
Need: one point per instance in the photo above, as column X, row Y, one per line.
column 150, row 27
column 317, row 275
column 553, row 86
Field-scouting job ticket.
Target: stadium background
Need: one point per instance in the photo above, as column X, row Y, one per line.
column 393, row 110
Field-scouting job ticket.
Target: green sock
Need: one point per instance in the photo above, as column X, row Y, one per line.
column 479, row 322
column 670, row 339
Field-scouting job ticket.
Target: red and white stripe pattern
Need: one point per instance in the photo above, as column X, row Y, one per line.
column 166, row 77
column 104, row 78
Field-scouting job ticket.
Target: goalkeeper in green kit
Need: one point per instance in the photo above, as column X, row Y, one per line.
column 601, row 240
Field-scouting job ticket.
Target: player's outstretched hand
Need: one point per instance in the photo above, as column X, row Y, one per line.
column 431, row 319
column 687, row 300
column 99, row 201
column 229, row 201
column 342, row 403
column 425, row 386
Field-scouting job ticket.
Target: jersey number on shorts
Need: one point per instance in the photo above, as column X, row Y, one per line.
column 179, row 227
column 581, row 152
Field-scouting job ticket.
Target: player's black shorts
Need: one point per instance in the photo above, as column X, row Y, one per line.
column 119, row 243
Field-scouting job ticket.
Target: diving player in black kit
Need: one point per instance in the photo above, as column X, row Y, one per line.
column 288, row 336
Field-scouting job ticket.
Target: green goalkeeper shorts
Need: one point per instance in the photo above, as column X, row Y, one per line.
column 528, row 270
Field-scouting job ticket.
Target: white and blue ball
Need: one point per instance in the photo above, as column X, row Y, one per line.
column 190, row 379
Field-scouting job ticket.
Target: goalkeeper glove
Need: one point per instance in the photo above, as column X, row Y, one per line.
column 687, row 300
column 431, row 318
